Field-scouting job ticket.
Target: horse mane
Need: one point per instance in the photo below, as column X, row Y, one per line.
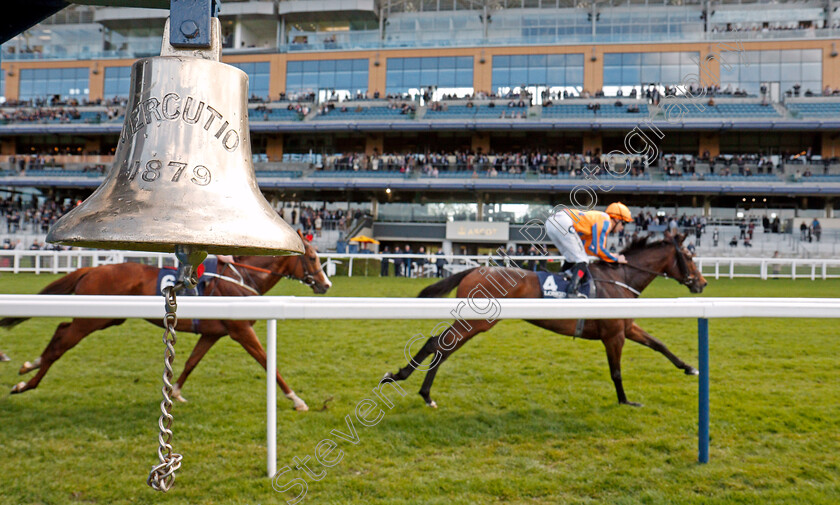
column 641, row 244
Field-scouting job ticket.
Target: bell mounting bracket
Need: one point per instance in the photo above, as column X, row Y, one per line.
column 190, row 22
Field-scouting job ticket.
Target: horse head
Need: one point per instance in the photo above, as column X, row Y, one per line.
column 308, row 268
column 682, row 267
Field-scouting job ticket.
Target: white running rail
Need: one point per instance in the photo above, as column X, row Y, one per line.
column 272, row 308
column 22, row 261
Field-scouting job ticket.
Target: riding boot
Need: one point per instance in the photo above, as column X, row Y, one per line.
column 577, row 273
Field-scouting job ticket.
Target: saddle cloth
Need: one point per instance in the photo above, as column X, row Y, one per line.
column 168, row 275
column 554, row 285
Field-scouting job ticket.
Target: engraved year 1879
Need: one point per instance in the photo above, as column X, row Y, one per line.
column 153, row 170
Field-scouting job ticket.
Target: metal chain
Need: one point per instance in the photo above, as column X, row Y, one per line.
column 162, row 475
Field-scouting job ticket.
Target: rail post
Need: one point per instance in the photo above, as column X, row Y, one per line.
column 271, row 396
column 703, row 418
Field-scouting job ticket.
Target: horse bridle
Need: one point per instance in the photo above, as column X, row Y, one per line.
column 307, row 279
column 687, row 279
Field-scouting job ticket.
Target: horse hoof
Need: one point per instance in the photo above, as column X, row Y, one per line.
column 632, row 404
column 25, row 368
column 299, row 404
column 432, row 404
column 3, row 357
column 691, row 371
column 387, row 376
column 176, row 394
column 20, row 387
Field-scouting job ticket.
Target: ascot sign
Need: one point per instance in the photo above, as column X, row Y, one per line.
column 477, row 231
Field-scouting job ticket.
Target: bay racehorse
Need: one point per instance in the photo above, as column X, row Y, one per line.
column 645, row 261
column 247, row 275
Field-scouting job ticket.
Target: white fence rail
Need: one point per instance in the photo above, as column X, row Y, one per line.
column 274, row 308
column 17, row 261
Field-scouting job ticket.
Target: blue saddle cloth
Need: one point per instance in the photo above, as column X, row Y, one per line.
column 554, row 285
column 168, row 275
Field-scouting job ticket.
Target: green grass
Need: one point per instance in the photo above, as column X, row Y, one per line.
column 525, row 416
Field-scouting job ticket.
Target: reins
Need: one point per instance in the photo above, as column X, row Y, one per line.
column 620, row 284
column 680, row 264
column 256, row 269
column 308, row 277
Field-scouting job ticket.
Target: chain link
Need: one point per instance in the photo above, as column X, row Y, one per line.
column 162, row 475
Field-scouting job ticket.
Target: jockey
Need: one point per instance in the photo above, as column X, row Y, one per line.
column 578, row 233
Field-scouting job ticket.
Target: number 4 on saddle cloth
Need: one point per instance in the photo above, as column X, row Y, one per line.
column 555, row 285
column 168, row 275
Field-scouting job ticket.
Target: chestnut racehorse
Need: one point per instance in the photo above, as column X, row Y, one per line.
column 645, row 261
column 259, row 273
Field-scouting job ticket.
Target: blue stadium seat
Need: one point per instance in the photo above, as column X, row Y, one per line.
column 360, row 174
column 288, row 174
column 277, row 114
column 478, row 111
column 364, row 114
column 818, row 109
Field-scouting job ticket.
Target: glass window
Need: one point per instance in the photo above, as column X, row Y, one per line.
column 551, row 70
column 788, row 67
column 67, row 83
column 117, row 82
column 259, row 75
column 812, row 55
column 634, row 69
column 652, row 59
column 405, row 74
column 350, row 76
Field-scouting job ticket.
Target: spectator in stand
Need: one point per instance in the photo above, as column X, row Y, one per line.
column 385, row 262
column 533, row 263
column 407, row 261
column 420, row 262
column 440, row 263
column 817, row 227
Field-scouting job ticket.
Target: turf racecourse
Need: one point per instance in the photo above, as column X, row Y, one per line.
column 525, row 416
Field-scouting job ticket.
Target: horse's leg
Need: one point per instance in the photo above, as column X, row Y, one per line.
column 242, row 332
column 637, row 334
column 66, row 336
column 427, row 349
column 29, row 366
column 426, row 388
column 3, row 356
column 205, row 342
column 476, row 327
column 614, row 344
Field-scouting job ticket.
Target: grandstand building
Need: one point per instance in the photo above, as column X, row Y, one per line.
column 435, row 111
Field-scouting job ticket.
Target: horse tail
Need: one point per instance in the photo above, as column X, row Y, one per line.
column 443, row 287
column 64, row 286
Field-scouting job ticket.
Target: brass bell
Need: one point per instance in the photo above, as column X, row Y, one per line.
column 183, row 174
